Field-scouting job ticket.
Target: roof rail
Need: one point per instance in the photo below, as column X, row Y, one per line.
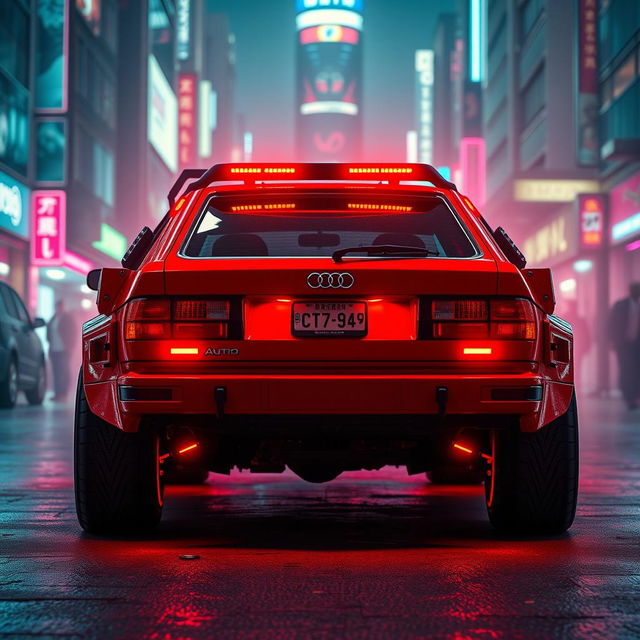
column 324, row 171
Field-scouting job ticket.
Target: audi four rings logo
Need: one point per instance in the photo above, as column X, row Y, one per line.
column 326, row 280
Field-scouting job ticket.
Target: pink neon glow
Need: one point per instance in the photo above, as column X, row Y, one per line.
column 473, row 169
column 48, row 229
column 77, row 263
column 632, row 246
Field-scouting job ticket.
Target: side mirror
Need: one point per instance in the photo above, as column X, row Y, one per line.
column 93, row 279
column 138, row 250
column 540, row 282
column 509, row 248
column 38, row 323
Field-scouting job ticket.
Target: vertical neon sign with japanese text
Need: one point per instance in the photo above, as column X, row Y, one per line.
column 48, row 235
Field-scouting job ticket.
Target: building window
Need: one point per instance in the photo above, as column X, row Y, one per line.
column 103, row 173
column 14, row 40
column 94, row 166
column 51, row 143
column 533, row 97
column 14, row 125
column 95, row 84
column 529, row 13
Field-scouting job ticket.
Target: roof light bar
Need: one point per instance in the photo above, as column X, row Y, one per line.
column 321, row 171
column 377, row 170
column 378, row 207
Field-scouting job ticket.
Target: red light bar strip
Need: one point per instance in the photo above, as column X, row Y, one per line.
column 380, row 170
column 323, row 171
column 378, row 207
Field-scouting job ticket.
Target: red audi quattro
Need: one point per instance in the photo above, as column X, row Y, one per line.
column 325, row 318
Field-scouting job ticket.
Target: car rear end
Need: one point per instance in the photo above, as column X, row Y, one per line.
column 328, row 327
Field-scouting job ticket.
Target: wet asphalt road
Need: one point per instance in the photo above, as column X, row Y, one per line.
column 370, row 555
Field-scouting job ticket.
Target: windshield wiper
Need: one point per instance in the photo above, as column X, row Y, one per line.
column 384, row 250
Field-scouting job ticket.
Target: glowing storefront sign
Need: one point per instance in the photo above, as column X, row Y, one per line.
column 304, row 5
column 205, row 124
column 625, row 209
column 587, row 98
column 14, row 206
column 48, row 237
column 552, row 190
column 111, row 243
column 320, row 17
column 162, row 117
column 591, row 208
column 183, row 29
column 424, row 89
column 551, row 242
column 329, row 70
column 476, row 36
column 187, row 119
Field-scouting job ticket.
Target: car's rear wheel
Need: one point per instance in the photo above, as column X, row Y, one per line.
column 9, row 386
column 117, row 475
column 35, row 395
column 532, row 486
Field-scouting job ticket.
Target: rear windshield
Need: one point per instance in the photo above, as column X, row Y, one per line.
column 317, row 224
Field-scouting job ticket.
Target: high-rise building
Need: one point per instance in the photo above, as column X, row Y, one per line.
column 220, row 69
column 329, row 80
column 16, row 169
column 147, row 133
column 58, row 117
column 618, row 78
column 539, row 126
column 444, row 44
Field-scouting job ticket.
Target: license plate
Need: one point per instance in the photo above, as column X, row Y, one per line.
column 329, row 319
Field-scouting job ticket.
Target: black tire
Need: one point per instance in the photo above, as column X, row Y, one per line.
column 35, row 395
column 118, row 486
column 9, row 386
column 455, row 475
column 533, row 484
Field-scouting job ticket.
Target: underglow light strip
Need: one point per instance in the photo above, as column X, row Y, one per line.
column 465, row 449
column 191, row 446
column 184, row 351
column 317, row 17
column 329, row 106
column 477, row 351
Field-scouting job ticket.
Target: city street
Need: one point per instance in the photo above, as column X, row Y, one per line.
column 368, row 555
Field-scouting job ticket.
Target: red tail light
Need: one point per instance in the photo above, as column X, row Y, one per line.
column 158, row 318
column 510, row 319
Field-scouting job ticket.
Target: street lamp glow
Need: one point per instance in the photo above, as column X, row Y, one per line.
column 55, row 274
column 582, row 266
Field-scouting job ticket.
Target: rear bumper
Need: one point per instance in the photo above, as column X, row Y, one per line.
column 125, row 400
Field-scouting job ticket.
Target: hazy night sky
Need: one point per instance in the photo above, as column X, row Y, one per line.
column 265, row 68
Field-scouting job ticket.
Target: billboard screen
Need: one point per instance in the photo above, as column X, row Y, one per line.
column 162, row 117
column 51, row 55
column 329, row 65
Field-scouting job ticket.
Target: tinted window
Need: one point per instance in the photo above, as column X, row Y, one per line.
column 317, row 224
column 9, row 302
column 22, row 312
